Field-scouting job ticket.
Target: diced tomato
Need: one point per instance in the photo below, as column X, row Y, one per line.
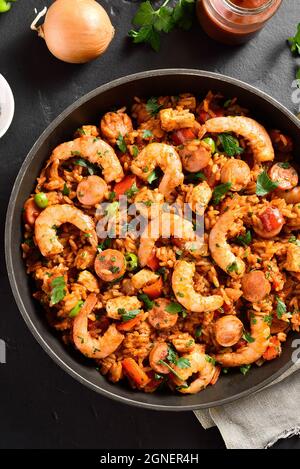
column 154, row 290
column 153, row 262
column 128, row 325
column 135, row 372
column 273, row 350
column 182, row 135
column 153, row 383
column 271, row 219
column 203, row 116
column 124, row 185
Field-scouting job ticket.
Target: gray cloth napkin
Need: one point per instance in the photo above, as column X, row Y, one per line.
column 259, row 420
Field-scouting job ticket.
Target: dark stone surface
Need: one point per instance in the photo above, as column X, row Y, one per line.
column 41, row 406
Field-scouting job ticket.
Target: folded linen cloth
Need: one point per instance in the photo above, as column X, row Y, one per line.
column 259, row 420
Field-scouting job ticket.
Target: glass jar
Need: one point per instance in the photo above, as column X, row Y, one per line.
column 235, row 21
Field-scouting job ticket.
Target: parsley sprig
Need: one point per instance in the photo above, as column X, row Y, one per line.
column 58, row 291
column 264, row 185
column 164, row 19
column 230, row 145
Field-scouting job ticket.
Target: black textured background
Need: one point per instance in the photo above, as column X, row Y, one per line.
column 40, row 405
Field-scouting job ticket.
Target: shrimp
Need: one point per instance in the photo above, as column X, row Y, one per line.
column 255, row 133
column 260, row 333
column 54, row 216
column 174, row 119
column 86, row 344
column 96, row 151
column 199, row 364
column 114, row 124
column 199, row 198
column 166, row 157
column 220, row 249
column 182, row 284
column 164, row 226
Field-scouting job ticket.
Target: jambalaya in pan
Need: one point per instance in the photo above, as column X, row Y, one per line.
column 164, row 242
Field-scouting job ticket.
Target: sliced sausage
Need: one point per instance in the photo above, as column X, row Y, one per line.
column 31, row 211
column 195, row 156
column 159, row 352
column 159, row 318
column 284, row 175
column 278, row 325
column 110, row 265
column 255, row 286
column 91, row 190
column 271, row 223
column 228, row 330
column 237, row 172
column 291, row 197
column 180, row 136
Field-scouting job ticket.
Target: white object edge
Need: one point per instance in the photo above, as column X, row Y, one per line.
column 7, row 106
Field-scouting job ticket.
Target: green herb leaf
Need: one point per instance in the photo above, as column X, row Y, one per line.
column 268, row 319
column 248, row 337
column 121, row 144
column 66, row 190
column 147, row 134
column 135, row 151
column 244, row 369
column 112, row 196
column 295, row 41
column 132, row 191
column 162, row 362
column 195, row 177
column 127, row 315
column 233, row 267
column 112, row 209
column 58, row 291
column 219, row 192
column 210, row 359
column 153, row 22
column 153, row 107
column 198, row 332
column 172, row 355
column 294, row 240
column 183, row 363
column 146, row 300
column 230, row 145
column 244, row 240
column 280, row 308
column 264, row 185
column 92, row 169
column 152, row 177
column 74, row 311
column 173, row 308
column 284, row 165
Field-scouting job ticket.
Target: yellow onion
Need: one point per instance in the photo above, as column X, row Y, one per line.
column 76, row 31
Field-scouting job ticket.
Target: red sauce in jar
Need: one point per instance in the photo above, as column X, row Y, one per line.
column 235, row 21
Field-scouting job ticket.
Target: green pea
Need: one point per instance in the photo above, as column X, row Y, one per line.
column 131, row 261
column 211, row 143
column 41, row 200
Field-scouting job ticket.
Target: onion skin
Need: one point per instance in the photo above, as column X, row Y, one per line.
column 77, row 31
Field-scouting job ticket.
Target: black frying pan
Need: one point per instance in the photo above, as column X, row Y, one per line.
column 88, row 110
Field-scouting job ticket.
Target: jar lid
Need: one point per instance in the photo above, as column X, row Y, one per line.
column 7, row 105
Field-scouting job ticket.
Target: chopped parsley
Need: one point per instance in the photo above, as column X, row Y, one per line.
column 183, row 363
column 198, row 332
column 147, row 134
column 152, row 22
column 91, row 168
column 244, row 240
column 74, row 311
column 132, row 191
column 121, row 144
column 233, row 267
column 114, row 269
column 135, row 151
column 219, row 192
column 248, row 337
column 66, row 190
column 280, row 308
column 153, row 107
column 146, row 300
column 210, row 359
column 128, row 315
column 294, row 240
column 268, row 319
column 244, row 369
column 230, row 145
column 294, row 41
column 58, row 291
column 264, row 184
column 195, row 177
column 173, row 308
column 152, row 177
